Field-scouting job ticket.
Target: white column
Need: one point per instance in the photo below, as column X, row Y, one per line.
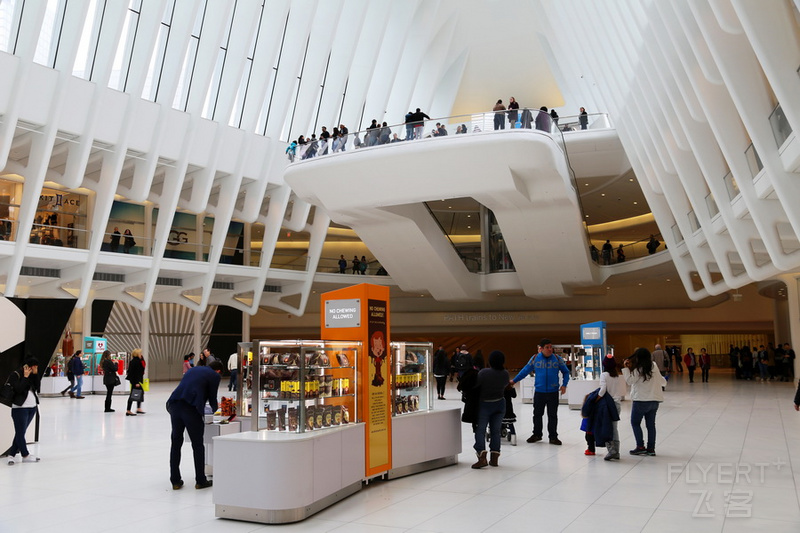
column 145, row 341
column 198, row 334
column 792, row 281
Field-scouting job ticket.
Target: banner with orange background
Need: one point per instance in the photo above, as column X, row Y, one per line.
column 361, row 313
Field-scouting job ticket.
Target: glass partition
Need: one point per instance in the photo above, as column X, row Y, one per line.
column 781, row 128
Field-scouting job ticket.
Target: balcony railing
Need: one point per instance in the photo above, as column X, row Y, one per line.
column 731, row 185
column 629, row 250
column 781, row 128
column 753, row 161
column 432, row 128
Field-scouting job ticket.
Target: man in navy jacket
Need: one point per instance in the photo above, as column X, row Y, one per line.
column 186, row 406
column 546, row 367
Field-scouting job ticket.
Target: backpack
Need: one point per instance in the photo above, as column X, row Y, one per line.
column 463, row 361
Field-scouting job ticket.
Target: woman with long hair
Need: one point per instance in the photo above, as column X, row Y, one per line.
column 109, row 378
column 646, row 383
column 25, row 383
column 491, row 385
column 136, row 377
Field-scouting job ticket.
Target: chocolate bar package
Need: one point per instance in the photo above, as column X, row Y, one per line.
column 337, row 415
column 345, row 415
column 327, row 416
column 310, row 416
column 293, row 419
column 282, row 418
column 318, row 416
column 272, row 420
column 342, row 359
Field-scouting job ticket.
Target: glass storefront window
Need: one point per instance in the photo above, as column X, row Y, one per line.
column 60, row 219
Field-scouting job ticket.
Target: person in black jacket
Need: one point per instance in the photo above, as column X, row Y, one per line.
column 109, row 378
column 25, row 383
column 186, row 407
column 441, row 367
column 136, row 376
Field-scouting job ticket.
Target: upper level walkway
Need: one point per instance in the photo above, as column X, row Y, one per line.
column 521, row 175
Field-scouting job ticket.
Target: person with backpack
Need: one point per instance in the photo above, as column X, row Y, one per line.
column 463, row 361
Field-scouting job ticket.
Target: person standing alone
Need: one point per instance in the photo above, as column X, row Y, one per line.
column 186, row 407
column 546, row 367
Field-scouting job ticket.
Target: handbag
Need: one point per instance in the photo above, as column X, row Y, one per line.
column 7, row 392
column 137, row 394
column 146, row 384
column 117, row 382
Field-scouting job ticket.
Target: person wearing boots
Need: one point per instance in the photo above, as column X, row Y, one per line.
column 613, row 384
column 491, row 385
column 110, row 379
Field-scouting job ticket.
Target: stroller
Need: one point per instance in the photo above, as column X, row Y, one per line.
column 507, row 430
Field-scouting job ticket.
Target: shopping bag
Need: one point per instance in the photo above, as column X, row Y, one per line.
column 137, row 395
column 146, row 385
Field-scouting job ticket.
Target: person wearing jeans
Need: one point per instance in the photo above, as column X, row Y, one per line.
column 24, row 382
column 646, row 382
column 491, row 385
column 546, row 366
column 76, row 365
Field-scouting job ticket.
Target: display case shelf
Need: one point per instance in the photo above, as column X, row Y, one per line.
column 292, row 392
column 411, row 392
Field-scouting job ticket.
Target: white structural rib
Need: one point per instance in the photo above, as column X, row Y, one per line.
column 704, row 95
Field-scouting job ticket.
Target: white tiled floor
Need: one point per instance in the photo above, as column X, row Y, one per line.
column 106, row 472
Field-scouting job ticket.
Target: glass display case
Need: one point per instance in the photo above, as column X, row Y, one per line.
column 244, row 385
column 410, row 377
column 297, row 386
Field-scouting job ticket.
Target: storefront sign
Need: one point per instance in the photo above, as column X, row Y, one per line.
column 343, row 313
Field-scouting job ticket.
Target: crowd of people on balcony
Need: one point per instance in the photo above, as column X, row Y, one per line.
column 378, row 133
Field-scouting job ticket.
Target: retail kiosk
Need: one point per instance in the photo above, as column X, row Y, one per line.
column 331, row 414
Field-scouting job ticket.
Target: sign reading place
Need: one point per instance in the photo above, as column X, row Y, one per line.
column 343, row 313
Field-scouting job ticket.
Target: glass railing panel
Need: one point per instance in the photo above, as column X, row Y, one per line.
column 753, row 160
column 676, row 233
column 616, row 252
column 781, row 129
column 731, row 186
column 693, row 222
column 187, row 250
column 333, row 140
column 713, row 209
column 50, row 235
column 126, row 243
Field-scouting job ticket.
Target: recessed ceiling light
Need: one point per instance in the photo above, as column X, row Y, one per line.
column 640, row 284
column 630, row 179
column 469, row 227
column 635, row 203
column 669, row 279
column 587, row 216
column 608, row 288
column 449, row 207
column 469, row 216
column 602, row 194
column 586, row 184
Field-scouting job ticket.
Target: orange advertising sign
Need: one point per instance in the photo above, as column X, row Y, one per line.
column 361, row 313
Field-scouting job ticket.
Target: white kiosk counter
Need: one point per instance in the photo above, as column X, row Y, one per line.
column 425, row 441
column 273, row 477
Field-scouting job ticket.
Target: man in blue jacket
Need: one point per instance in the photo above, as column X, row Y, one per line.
column 546, row 366
column 186, row 406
